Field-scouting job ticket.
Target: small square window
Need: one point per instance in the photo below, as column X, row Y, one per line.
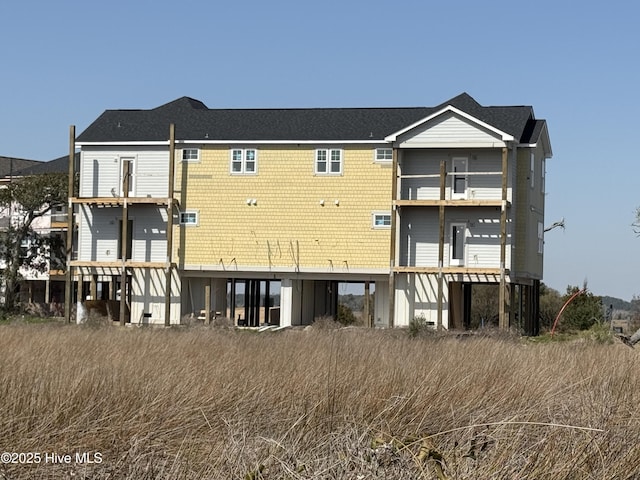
column 381, row 219
column 189, row 218
column 384, row 154
column 190, row 155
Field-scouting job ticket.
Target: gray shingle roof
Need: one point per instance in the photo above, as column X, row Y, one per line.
column 11, row 165
column 59, row 165
column 195, row 121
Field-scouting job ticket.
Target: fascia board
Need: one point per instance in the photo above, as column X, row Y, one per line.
column 504, row 136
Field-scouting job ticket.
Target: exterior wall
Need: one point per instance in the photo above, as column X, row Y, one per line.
column 100, row 171
column 287, row 229
column 529, row 211
column 419, row 233
column 417, row 296
column 99, row 230
column 427, row 162
column 381, row 304
column 148, row 296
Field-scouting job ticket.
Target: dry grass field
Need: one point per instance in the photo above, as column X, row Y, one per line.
column 326, row 404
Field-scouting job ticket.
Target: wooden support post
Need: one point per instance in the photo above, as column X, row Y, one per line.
column 395, row 216
column 124, row 244
column 170, row 204
column 503, row 311
column 441, row 222
column 93, row 287
column 112, row 288
column 207, row 303
column 68, row 287
column 365, row 309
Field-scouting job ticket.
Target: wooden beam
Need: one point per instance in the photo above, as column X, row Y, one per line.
column 503, row 312
column 450, row 270
column 118, row 264
column 450, row 203
column 395, row 215
column 207, row 302
column 443, row 185
column 115, row 201
column 68, row 286
column 170, row 203
column 124, row 243
column 365, row 312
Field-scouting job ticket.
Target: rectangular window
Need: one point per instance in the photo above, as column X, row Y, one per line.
column 190, row 155
column 329, row 161
column 244, row 161
column 381, row 219
column 542, row 175
column 384, row 154
column 540, row 237
column 189, row 218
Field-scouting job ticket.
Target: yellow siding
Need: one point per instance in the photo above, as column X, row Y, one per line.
column 288, row 227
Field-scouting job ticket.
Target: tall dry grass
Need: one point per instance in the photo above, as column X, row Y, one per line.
column 346, row 404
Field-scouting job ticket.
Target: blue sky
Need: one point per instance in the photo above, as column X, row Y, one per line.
column 65, row 62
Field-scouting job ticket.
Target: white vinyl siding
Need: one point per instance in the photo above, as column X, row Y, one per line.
column 450, row 129
column 99, row 229
column 149, row 234
column 478, row 187
column 100, row 172
column 419, row 233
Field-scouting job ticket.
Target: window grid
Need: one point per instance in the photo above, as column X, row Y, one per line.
column 329, row 161
column 189, row 218
column 381, row 219
column 190, row 155
column 384, row 154
column 244, row 161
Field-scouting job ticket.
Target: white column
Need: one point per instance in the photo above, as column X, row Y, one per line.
column 290, row 302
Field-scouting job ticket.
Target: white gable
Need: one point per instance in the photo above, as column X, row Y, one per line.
column 450, row 130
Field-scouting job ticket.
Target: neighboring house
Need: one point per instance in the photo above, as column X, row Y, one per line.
column 422, row 203
column 39, row 286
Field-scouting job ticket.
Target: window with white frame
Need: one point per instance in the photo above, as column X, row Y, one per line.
column 381, row 219
column 542, row 176
column 532, row 169
column 384, row 155
column 189, row 218
column 244, row 161
column 190, row 155
column 329, row 161
column 540, row 238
